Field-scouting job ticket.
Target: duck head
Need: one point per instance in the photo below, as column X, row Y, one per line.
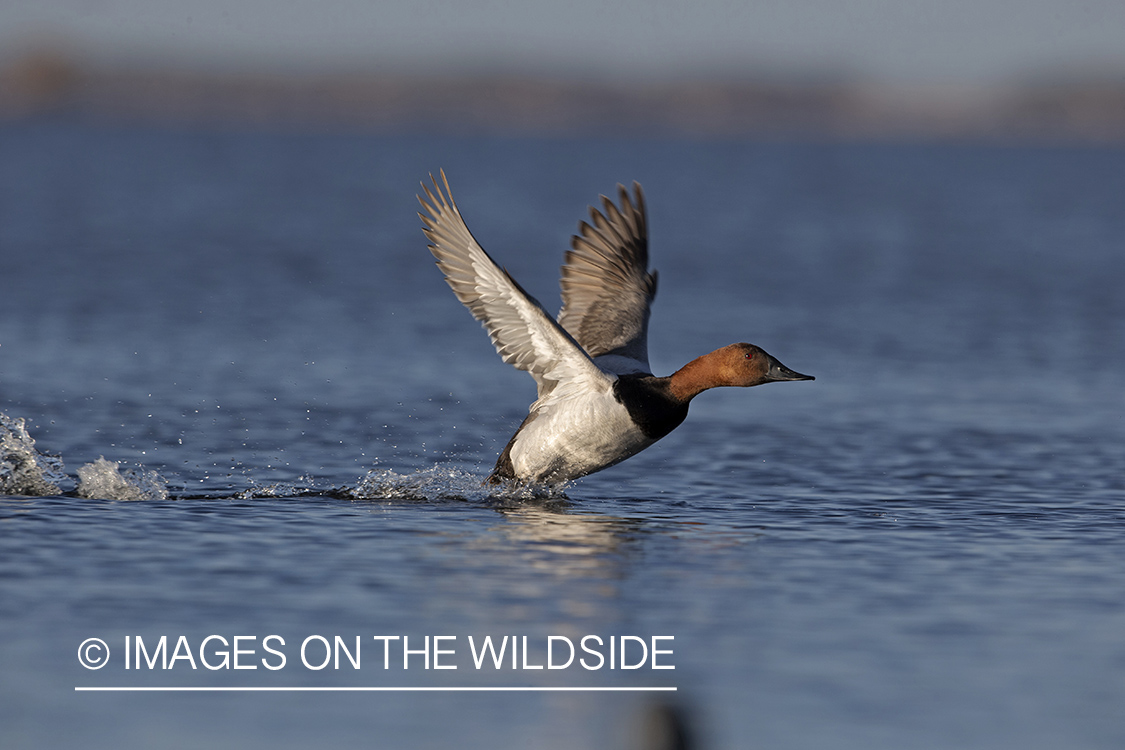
column 740, row 365
column 746, row 365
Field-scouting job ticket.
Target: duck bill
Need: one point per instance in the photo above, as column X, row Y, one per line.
column 778, row 372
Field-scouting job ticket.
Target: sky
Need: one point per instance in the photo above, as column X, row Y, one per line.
column 966, row 42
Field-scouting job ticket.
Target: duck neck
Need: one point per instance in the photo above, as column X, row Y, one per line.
column 693, row 378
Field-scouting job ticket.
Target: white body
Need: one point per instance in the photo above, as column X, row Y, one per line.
column 566, row 439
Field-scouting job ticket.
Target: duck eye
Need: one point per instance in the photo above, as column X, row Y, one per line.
column 748, row 355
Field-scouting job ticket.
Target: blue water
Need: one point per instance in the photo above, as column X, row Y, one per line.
column 925, row 547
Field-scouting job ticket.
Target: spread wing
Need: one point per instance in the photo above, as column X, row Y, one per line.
column 606, row 285
column 523, row 332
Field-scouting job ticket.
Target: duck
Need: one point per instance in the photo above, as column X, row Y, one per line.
column 597, row 401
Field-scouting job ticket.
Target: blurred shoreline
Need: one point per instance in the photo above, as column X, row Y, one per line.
column 1080, row 110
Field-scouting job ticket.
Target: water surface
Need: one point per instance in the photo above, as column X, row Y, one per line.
column 923, row 548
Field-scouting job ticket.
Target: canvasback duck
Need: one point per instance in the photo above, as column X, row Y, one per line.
column 598, row 402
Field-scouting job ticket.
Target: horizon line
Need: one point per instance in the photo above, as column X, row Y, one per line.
column 369, row 689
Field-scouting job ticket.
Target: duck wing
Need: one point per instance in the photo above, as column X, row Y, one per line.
column 606, row 284
column 522, row 331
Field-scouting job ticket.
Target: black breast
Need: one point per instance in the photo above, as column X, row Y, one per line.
column 649, row 403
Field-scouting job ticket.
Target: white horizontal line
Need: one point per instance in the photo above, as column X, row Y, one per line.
column 297, row 689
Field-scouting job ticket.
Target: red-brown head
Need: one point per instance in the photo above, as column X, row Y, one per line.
column 741, row 365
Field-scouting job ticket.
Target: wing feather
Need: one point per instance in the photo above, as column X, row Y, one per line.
column 523, row 333
column 606, row 285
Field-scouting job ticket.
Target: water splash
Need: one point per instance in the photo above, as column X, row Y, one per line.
column 434, row 483
column 439, row 483
column 302, row 486
column 24, row 470
column 102, row 479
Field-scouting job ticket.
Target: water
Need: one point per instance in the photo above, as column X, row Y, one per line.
column 241, row 337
